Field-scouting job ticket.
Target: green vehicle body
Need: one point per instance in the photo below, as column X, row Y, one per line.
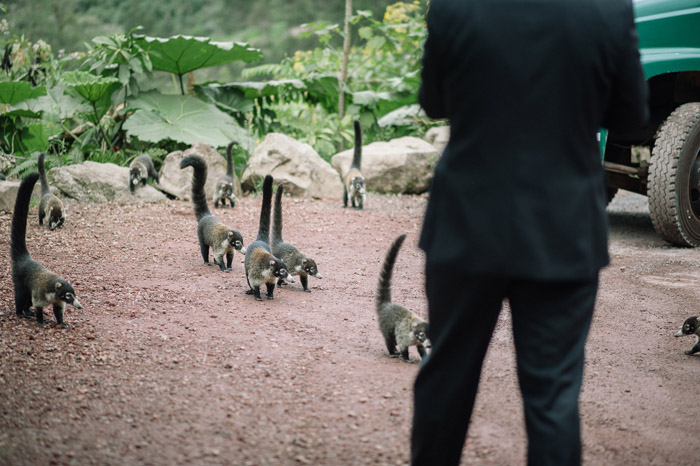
column 669, row 43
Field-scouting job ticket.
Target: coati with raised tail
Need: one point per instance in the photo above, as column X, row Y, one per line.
column 354, row 186
column 224, row 185
column 297, row 263
column 140, row 169
column 691, row 326
column 50, row 207
column 261, row 266
column 34, row 284
column 210, row 231
column 397, row 324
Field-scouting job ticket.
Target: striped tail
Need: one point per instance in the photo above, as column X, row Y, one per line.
column 357, row 155
column 42, row 172
column 229, row 159
column 264, row 228
column 199, row 179
column 384, row 285
column 277, row 225
column 18, row 241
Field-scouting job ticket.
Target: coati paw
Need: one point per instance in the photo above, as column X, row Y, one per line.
column 689, row 352
column 249, row 292
column 307, row 290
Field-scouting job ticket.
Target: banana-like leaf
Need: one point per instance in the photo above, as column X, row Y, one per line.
column 35, row 137
column 181, row 118
column 56, row 105
column 14, row 92
column 182, row 54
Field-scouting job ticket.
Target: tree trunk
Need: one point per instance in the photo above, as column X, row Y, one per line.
column 343, row 77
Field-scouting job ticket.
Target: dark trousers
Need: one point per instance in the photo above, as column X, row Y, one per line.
column 550, row 321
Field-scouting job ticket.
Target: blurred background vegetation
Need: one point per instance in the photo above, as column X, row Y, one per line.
column 97, row 84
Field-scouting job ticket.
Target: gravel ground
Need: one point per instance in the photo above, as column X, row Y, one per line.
column 170, row 363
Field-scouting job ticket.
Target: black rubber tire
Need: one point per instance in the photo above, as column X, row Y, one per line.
column 674, row 177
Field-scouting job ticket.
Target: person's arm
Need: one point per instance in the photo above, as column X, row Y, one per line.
column 628, row 109
column 431, row 95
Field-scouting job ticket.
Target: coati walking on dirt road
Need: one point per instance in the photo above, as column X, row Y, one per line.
column 34, row 284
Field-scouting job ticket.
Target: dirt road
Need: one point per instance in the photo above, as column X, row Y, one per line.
column 170, row 363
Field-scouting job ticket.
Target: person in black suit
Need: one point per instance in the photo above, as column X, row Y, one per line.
column 517, row 204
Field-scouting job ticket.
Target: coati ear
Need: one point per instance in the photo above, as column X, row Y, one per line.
column 304, row 262
column 58, row 286
column 414, row 325
column 272, row 263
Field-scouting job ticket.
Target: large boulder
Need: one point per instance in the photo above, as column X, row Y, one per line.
column 178, row 182
column 296, row 164
column 403, row 165
column 438, row 136
column 93, row 182
column 8, row 194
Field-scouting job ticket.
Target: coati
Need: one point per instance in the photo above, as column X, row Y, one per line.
column 210, row 231
column 50, row 207
column 34, row 284
column 140, row 169
column 397, row 324
column 260, row 265
column 354, row 186
column 691, row 326
column 297, row 263
column 224, row 185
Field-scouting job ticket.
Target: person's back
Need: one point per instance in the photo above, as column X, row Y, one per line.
column 517, row 205
column 526, row 85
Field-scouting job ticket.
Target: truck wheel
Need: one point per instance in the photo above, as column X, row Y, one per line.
column 674, row 177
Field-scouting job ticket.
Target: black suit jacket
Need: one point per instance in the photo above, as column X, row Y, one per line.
column 526, row 84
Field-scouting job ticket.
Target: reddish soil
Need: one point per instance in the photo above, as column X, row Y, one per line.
column 170, row 363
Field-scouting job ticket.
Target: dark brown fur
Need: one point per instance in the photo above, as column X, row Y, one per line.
column 50, row 207
column 210, row 231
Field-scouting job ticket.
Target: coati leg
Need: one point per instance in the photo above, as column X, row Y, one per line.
column 219, row 260
column 255, row 292
column 205, row 251
column 42, row 214
column 352, row 199
column 404, row 353
column 360, row 202
column 58, row 313
column 23, row 302
column 270, row 290
column 345, row 196
column 229, row 260
column 694, row 349
column 422, row 351
column 391, row 345
column 216, row 203
column 304, row 278
column 39, row 315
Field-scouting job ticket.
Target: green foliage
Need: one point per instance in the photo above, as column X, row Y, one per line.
column 185, row 119
column 183, row 54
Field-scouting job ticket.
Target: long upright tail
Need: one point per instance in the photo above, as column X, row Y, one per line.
column 229, row 159
column 264, row 228
column 384, row 285
column 357, row 155
column 18, row 241
column 42, row 173
column 199, row 179
column 277, row 225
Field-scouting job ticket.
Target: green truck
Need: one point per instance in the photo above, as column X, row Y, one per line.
column 663, row 161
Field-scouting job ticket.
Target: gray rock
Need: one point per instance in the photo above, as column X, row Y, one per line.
column 93, row 182
column 8, row 194
column 178, row 183
column 438, row 136
column 403, row 165
column 296, row 164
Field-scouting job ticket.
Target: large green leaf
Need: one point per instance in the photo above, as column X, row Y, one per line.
column 184, row 119
column 56, row 104
column 182, row 54
column 13, row 92
column 228, row 99
column 35, row 137
column 91, row 87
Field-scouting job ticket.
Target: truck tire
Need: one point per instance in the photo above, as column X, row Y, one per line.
column 674, row 177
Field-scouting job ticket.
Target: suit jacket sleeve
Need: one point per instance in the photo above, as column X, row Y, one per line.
column 431, row 94
column 628, row 108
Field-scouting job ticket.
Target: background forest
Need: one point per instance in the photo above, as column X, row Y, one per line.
column 83, row 79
